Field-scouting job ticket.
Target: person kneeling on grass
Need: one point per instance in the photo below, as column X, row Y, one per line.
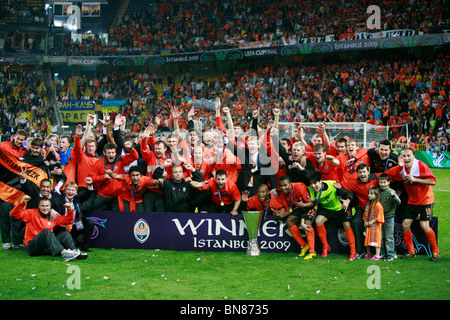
column 39, row 237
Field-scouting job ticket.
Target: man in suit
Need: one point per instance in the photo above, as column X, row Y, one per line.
column 256, row 166
column 82, row 228
column 254, row 156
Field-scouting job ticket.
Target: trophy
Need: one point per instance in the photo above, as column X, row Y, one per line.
column 253, row 220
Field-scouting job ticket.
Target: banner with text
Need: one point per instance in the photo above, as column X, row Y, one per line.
column 394, row 41
column 76, row 111
column 23, row 59
column 214, row 232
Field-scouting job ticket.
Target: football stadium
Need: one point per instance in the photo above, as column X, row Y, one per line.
column 224, row 158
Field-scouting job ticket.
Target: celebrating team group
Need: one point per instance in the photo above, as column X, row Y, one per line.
column 306, row 184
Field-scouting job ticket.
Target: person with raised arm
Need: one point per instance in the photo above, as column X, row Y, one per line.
column 39, row 237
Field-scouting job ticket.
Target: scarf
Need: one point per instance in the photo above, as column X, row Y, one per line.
column 372, row 231
column 415, row 170
column 65, row 156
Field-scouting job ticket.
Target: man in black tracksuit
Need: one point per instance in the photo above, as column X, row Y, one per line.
column 177, row 191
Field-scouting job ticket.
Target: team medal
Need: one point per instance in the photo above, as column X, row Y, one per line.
column 292, row 200
column 220, row 196
column 132, row 193
column 267, row 208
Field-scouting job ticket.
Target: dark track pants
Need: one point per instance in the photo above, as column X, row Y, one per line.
column 46, row 243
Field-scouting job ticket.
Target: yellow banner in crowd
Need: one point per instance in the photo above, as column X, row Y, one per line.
column 110, row 106
column 76, row 110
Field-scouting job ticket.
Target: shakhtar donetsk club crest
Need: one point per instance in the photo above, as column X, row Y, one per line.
column 141, row 230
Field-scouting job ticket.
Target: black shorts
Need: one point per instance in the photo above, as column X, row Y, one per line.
column 211, row 207
column 425, row 212
column 298, row 212
column 336, row 217
column 309, row 214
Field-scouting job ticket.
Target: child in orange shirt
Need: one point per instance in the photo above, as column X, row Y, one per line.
column 373, row 219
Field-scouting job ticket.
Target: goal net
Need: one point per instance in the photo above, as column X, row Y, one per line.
column 367, row 135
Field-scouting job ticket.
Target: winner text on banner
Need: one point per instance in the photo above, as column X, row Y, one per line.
column 215, row 232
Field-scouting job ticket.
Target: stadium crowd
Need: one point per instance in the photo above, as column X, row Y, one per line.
column 22, row 11
column 170, row 27
column 180, row 27
column 390, row 92
column 380, row 91
column 24, row 102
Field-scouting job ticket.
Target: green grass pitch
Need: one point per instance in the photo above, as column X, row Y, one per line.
column 176, row 275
